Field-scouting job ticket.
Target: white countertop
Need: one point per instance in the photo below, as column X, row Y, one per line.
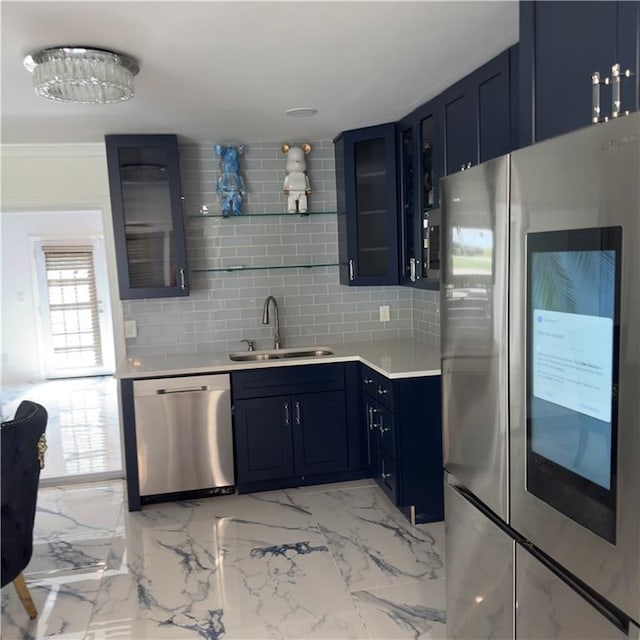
column 392, row 358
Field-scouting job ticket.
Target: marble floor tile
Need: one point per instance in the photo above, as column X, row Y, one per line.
column 259, row 577
column 334, row 562
column 64, row 607
column 83, row 427
column 74, row 527
column 435, row 530
column 372, row 543
column 337, row 486
column 279, row 509
column 291, row 589
column 331, row 627
column 415, row 610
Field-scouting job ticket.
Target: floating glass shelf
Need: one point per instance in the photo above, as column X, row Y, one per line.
column 264, row 268
column 207, row 211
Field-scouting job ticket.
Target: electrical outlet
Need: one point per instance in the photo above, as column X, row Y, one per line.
column 385, row 314
column 130, row 329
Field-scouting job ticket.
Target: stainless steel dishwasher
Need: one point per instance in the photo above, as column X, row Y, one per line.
column 183, row 432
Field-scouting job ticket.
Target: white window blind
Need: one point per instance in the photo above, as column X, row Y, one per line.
column 73, row 306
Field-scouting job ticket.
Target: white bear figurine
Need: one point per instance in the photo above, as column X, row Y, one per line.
column 296, row 182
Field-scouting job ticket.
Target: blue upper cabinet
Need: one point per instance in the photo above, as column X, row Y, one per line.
column 476, row 115
column 420, row 155
column 562, row 44
column 148, row 225
column 387, row 176
column 367, row 205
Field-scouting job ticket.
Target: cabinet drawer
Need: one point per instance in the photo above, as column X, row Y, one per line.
column 385, row 421
column 384, row 391
column 369, row 381
column 259, row 383
column 388, row 479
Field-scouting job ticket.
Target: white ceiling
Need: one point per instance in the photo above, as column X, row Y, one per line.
column 227, row 71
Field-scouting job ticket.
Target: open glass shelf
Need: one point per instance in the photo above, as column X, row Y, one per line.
column 211, row 211
column 264, row 267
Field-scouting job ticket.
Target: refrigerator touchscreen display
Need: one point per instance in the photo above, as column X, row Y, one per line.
column 572, row 329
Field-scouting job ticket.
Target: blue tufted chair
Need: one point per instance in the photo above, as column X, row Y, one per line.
column 22, row 447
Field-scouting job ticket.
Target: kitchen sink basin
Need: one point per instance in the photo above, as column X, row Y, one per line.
column 277, row 354
column 307, row 354
column 249, row 356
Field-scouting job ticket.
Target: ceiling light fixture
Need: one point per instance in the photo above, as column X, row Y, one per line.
column 82, row 75
column 301, row 112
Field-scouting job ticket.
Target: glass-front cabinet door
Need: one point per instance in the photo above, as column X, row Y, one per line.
column 367, row 205
column 419, row 149
column 428, row 269
column 408, row 209
column 146, row 206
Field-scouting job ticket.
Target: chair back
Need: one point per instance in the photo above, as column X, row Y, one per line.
column 20, row 460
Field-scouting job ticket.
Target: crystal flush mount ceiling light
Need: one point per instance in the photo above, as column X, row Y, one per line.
column 82, row 75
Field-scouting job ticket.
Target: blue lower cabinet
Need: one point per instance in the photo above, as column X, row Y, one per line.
column 263, row 439
column 402, row 422
column 387, row 476
column 299, row 438
column 319, row 433
column 372, row 435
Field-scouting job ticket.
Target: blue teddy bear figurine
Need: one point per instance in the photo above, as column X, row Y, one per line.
column 230, row 187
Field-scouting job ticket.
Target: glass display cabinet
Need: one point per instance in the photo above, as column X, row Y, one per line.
column 146, row 205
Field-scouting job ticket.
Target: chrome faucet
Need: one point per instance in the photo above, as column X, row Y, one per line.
column 276, row 320
column 251, row 345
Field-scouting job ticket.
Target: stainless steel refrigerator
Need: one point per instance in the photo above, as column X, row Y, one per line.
column 540, row 317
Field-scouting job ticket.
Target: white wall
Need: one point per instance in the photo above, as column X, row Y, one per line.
column 20, row 308
column 48, row 179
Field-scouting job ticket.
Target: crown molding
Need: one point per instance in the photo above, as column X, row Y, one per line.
column 83, row 150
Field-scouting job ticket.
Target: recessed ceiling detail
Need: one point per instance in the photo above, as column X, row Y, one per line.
column 301, row 112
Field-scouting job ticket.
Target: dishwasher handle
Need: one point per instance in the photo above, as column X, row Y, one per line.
column 161, row 392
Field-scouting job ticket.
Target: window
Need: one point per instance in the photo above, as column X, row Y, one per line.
column 71, row 309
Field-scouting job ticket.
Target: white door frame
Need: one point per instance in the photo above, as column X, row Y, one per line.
column 104, row 305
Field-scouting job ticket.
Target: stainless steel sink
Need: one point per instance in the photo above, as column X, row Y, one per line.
column 307, row 354
column 250, row 356
column 277, row 354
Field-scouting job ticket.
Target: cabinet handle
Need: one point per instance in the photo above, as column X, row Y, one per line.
column 368, row 380
column 287, row 420
column 296, row 405
column 372, row 424
column 468, row 165
column 615, row 90
column 183, row 282
column 351, row 270
column 595, row 97
column 381, row 391
column 412, row 269
column 462, row 168
column 596, row 82
column 616, row 78
column 384, row 475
